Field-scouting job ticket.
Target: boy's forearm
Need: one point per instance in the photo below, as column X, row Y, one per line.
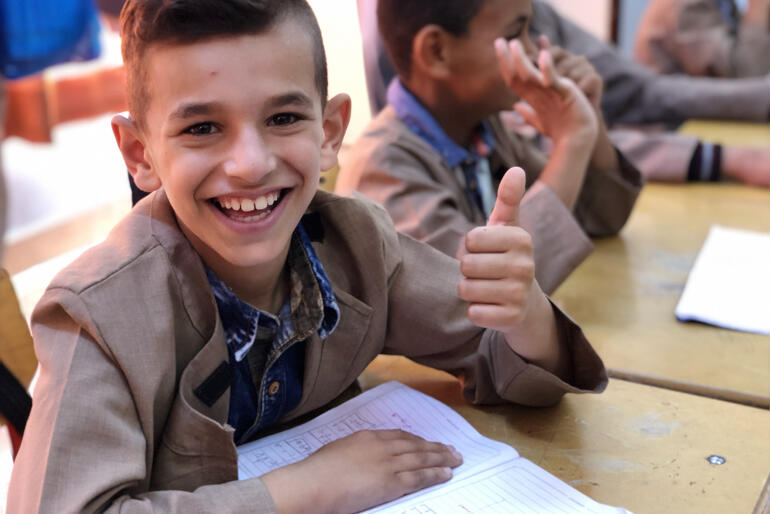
column 536, row 338
column 605, row 157
column 566, row 167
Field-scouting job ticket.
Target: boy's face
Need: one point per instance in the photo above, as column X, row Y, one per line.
column 234, row 133
column 475, row 75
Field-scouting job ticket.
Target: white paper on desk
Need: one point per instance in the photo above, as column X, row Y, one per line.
column 729, row 284
column 492, row 478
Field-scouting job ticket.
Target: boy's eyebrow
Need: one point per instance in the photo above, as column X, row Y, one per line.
column 295, row 98
column 190, row 110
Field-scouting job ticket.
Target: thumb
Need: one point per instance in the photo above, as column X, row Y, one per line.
column 506, row 209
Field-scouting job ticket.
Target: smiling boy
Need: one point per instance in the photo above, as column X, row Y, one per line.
column 237, row 296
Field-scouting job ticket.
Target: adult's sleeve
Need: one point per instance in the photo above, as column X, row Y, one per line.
column 634, row 94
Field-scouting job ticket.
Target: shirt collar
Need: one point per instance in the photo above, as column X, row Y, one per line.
column 420, row 121
column 311, row 301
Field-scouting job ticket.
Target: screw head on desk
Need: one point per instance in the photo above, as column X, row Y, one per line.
column 717, row 460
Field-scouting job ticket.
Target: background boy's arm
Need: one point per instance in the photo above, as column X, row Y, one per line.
column 610, row 184
column 557, row 108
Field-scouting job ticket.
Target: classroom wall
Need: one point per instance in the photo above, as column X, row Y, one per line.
column 592, row 15
column 342, row 38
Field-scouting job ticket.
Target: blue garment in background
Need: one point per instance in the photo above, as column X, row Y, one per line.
column 35, row 34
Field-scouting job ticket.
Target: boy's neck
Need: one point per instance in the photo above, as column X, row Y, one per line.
column 265, row 289
column 457, row 122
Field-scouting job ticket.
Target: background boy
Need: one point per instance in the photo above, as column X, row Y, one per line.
column 434, row 157
column 236, row 296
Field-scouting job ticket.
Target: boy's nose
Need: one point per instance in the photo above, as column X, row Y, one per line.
column 250, row 158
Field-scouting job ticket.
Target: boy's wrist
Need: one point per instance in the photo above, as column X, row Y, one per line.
column 536, row 338
column 292, row 492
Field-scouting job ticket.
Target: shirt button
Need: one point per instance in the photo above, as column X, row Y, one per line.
column 273, row 388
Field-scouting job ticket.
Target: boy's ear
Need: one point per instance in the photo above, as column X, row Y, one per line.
column 430, row 51
column 131, row 144
column 335, row 123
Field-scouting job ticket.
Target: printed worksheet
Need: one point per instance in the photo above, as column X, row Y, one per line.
column 729, row 284
column 493, row 477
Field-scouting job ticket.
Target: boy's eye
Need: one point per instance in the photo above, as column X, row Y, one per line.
column 200, row 129
column 511, row 37
column 282, row 119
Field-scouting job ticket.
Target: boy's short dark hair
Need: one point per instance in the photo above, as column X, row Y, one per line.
column 148, row 22
column 400, row 20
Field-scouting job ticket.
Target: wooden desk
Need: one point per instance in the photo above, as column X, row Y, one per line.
column 625, row 293
column 728, row 133
column 633, row 446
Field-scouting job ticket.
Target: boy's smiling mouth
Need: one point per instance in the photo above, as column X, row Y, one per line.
column 249, row 209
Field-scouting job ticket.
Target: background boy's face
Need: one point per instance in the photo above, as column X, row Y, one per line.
column 476, row 79
column 234, row 131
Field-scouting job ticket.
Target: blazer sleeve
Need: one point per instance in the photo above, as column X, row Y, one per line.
column 427, row 322
column 692, row 36
column 659, row 156
column 607, row 198
column 634, row 94
column 83, row 448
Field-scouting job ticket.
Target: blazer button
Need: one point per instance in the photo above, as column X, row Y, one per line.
column 273, row 388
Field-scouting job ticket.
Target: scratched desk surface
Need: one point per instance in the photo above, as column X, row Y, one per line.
column 625, row 293
column 633, row 446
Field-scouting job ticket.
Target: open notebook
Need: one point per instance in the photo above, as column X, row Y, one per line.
column 729, row 284
column 492, row 479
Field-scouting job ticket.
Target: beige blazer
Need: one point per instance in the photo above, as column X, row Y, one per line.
column 127, row 333
column 398, row 169
column 692, row 37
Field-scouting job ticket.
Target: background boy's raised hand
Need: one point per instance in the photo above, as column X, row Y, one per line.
column 549, row 102
column 579, row 70
column 360, row 471
column 499, row 283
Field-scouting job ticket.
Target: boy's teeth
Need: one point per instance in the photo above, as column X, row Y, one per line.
column 248, row 205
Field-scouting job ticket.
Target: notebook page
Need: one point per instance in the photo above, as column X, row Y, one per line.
column 729, row 284
column 515, row 486
column 387, row 406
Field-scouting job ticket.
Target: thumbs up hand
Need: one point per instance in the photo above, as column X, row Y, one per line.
column 499, row 283
column 499, row 266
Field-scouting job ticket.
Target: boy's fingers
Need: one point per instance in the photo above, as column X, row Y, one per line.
column 529, row 114
column 523, row 65
column 442, row 457
column 505, row 60
column 487, row 265
column 506, row 209
column 417, row 480
column 543, row 42
column 547, row 68
column 495, row 316
column 495, row 291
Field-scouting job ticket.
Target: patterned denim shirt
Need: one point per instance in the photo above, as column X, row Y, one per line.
column 471, row 166
column 267, row 353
